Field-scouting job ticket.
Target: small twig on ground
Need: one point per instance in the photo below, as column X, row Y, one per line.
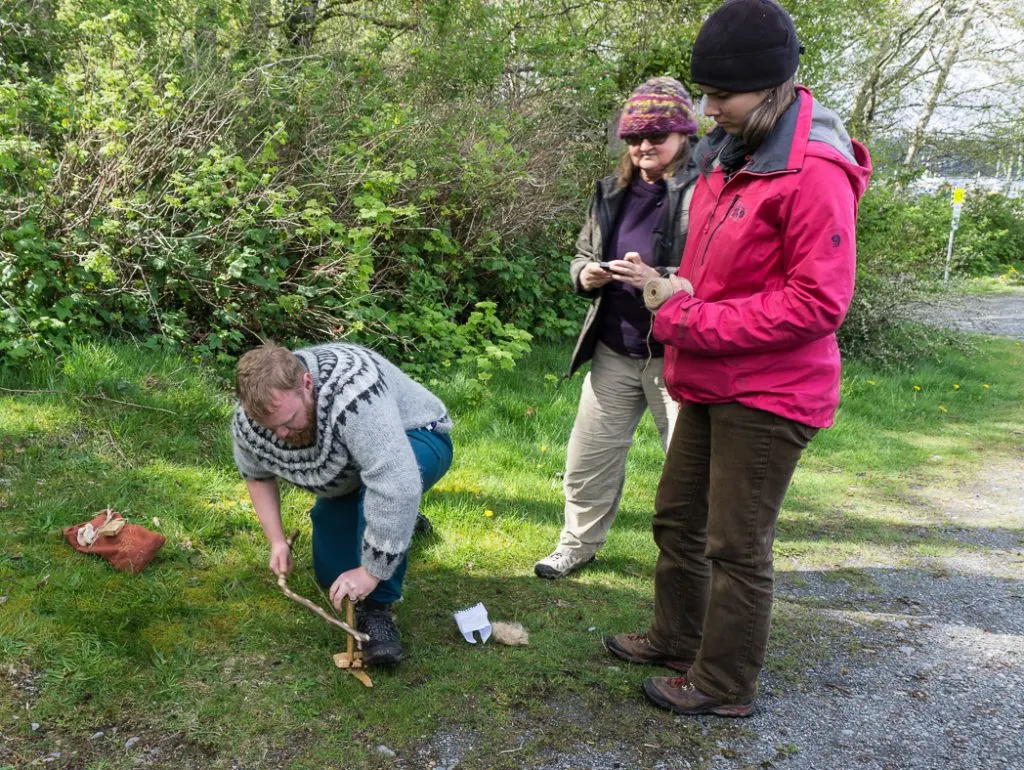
column 838, row 688
column 87, row 397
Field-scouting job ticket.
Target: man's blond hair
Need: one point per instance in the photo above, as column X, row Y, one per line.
column 263, row 370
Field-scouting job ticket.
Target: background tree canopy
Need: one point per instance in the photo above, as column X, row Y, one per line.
column 403, row 173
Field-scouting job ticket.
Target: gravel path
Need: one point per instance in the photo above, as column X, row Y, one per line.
column 938, row 679
column 1002, row 315
column 926, row 672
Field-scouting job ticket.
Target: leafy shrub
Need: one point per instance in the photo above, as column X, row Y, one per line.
column 910, row 233
column 900, row 234
column 199, row 178
column 991, row 235
column 203, row 210
column 880, row 327
column 901, row 253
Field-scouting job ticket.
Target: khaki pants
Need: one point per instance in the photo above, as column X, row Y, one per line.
column 726, row 474
column 616, row 392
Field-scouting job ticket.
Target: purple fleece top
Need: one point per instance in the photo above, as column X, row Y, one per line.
column 625, row 321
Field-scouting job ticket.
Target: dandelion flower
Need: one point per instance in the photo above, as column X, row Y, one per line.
column 488, row 512
column 942, row 408
column 956, row 386
column 917, row 388
column 985, row 386
column 543, row 448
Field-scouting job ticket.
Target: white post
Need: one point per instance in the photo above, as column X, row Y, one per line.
column 949, row 256
column 958, row 204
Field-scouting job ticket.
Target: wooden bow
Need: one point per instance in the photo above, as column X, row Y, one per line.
column 282, row 583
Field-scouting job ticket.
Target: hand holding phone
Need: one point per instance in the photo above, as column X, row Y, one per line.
column 595, row 275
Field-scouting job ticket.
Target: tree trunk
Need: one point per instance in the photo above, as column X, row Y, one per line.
column 302, row 24
column 894, row 61
column 940, row 84
column 860, row 120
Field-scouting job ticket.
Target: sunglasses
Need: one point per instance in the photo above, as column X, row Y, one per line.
column 654, row 139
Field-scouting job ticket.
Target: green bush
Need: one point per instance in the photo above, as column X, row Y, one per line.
column 901, row 234
column 200, row 177
column 901, row 251
column 991, row 234
column 203, row 209
column 910, row 233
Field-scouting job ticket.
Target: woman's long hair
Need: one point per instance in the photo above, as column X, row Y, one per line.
column 625, row 170
column 762, row 119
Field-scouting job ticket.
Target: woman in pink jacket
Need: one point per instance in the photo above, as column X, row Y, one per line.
column 751, row 356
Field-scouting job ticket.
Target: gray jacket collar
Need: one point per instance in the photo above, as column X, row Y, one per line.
column 774, row 153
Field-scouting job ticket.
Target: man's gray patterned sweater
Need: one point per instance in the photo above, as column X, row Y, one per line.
column 364, row 406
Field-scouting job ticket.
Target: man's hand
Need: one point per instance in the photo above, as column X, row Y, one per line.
column 632, row 270
column 280, row 558
column 356, row 584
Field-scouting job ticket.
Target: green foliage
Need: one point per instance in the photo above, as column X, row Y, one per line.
column 200, row 203
column 408, row 175
column 898, row 244
column 901, row 253
column 902, row 234
column 991, row 235
column 910, row 233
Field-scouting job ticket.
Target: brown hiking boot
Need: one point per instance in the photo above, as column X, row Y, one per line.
column 637, row 648
column 681, row 696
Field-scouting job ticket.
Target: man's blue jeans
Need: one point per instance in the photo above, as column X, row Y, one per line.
column 338, row 522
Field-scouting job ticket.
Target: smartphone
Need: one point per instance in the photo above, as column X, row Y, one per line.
column 607, row 266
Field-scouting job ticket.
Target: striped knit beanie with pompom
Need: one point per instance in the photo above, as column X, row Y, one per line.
column 659, row 106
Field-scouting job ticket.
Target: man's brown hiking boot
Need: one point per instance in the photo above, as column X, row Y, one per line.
column 682, row 697
column 637, row 648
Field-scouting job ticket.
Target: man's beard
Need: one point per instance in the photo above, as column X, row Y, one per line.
column 307, row 436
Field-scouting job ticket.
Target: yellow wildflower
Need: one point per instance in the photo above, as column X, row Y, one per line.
column 917, row 388
column 488, row 512
column 872, row 382
column 956, row 386
column 984, row 386
column 942, row 408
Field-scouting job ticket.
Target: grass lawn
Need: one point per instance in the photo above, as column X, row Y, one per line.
column 1006, row 284
column 208, row 665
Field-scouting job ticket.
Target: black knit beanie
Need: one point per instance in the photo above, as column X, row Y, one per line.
column 745, row 45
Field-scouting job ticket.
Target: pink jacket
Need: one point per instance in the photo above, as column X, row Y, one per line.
column 771, row 255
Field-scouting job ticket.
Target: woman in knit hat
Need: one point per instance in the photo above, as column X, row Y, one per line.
column 751, row 354
column 634, row 231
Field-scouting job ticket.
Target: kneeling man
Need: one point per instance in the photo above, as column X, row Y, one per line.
column 344, row 423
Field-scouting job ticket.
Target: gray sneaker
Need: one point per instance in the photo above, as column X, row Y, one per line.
column 562, row 561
